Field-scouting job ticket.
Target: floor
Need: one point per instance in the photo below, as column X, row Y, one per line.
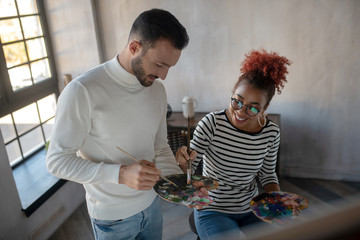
column 322, row 195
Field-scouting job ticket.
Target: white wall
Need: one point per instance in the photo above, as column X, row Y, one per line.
column 73, row 36
column 318, row 107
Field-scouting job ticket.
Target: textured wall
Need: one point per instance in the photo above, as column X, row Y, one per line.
column 73, row 36
column 319, row 105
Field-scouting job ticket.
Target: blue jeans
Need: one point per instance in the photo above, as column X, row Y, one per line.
column 147, row 224
column 217, row 225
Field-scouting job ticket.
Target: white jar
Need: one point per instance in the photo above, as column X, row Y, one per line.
column 189, row 105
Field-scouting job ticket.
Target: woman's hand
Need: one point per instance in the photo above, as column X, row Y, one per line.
column 199, row 186
column 182, row 157
column 290, row 201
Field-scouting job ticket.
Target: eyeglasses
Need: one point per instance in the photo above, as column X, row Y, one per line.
column 250, row 110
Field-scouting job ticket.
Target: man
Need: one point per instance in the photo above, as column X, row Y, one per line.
column 121, row 103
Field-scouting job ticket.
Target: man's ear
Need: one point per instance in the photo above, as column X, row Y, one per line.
column 135, row 47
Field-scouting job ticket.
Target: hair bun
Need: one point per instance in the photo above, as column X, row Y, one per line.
column 272, row 66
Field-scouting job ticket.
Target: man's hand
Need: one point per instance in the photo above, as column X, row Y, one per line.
column 141, row 176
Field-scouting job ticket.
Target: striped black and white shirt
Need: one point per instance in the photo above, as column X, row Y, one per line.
column 234, row 158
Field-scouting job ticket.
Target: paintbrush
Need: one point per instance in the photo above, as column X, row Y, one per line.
column 133, row 158
column 188, row 150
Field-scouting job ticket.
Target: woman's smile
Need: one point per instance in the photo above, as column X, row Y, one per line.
column 239, row 119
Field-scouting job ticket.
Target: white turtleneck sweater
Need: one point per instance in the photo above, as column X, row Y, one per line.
column 104, row 108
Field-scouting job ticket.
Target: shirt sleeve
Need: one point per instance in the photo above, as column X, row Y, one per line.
column 72, row 126
column 267, row 172
column 202, row 137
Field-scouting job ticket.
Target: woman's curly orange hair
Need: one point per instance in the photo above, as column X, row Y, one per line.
column 272, row 66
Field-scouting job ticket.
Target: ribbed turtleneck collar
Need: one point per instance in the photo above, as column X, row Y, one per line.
column 120, row 75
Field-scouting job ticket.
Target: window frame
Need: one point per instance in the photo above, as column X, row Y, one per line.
column 11, row 101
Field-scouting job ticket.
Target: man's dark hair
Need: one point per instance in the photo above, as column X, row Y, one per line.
column 154, row 24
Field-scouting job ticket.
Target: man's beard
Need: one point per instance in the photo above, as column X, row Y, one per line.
column 139, row 72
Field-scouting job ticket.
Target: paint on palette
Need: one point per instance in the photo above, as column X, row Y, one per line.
column 185, row 194
column 277, row 207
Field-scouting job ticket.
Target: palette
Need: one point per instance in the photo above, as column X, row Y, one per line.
column 185, row 194
column 274, row 207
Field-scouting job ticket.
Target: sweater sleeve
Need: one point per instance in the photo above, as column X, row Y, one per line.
column 72, row 126
column 164, row 157
column 267, row 172
column 202, row 138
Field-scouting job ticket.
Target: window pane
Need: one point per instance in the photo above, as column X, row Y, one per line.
column 10, row 30
column 48, row 126
column 20, row 77
column 47, row 107
column 36, row 48
column 7, row 128
column 15, row 54
column 31, row 26
column 13, row 152
column 40, row 70
column 26, row 118
column 27, row 6
column 7, row 8
column 31, row 141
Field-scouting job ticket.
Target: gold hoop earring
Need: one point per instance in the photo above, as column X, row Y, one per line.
column 262, row 125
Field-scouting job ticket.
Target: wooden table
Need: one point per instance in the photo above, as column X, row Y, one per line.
column 177, row 129
column 177, row 121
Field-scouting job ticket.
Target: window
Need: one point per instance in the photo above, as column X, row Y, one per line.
column 28, row 129
column 28, row 84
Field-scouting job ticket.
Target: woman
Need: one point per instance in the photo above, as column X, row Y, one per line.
column 236, row 145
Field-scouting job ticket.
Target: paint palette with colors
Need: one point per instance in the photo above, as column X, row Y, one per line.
column 278, row 207
column 185, row 194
